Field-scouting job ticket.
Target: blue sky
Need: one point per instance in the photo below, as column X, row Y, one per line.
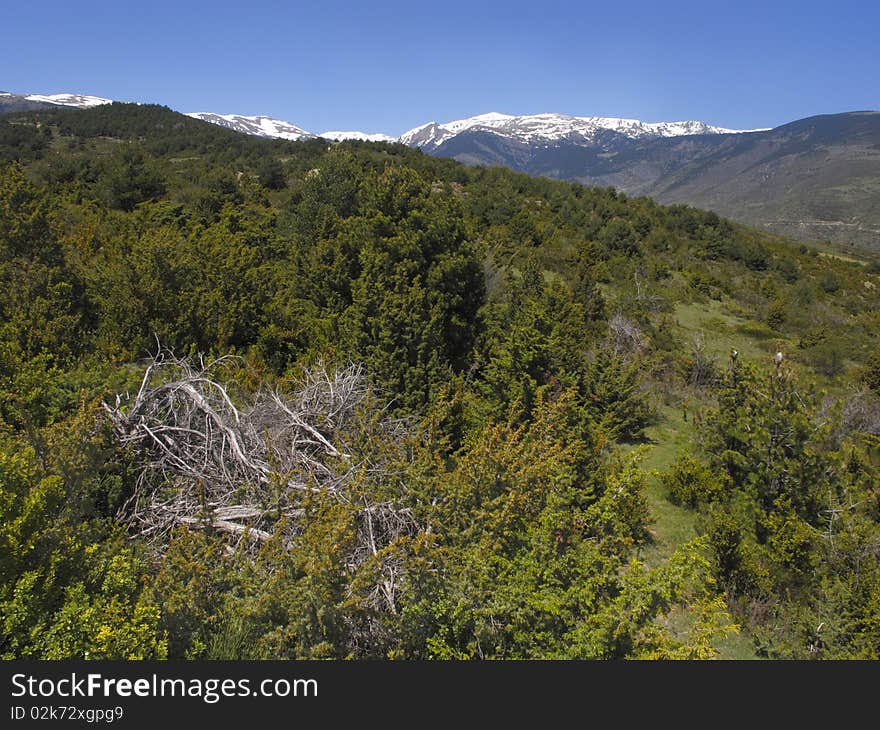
column 389, row 66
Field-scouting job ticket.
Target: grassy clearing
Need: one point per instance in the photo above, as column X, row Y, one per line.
column 843, row 257
column 723, row 331
column 737, row 646
column 674, row 525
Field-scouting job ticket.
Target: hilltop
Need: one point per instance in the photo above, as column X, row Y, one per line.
column 297, row 399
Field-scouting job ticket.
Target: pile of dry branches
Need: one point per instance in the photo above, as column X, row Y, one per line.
column 241, row 466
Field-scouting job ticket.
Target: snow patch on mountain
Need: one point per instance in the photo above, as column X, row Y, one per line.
column 548, row 128
column 268, row 127
column 533, row 129
column 81, row 101
column 259, row 126
column 362, row 136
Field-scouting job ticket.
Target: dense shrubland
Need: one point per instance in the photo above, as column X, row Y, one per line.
column 393, row 408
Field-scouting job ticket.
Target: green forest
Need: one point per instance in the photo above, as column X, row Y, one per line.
column 264, row 399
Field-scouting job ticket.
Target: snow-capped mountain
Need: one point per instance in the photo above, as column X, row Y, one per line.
column 362, row 136
column 536, row 129
column 22, row 102
column 532, row 130
column 81, row 101
column 258, row 125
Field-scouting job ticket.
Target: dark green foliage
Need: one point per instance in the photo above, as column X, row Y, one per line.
column 586, row 292
column 22, row 141
column 523, row 229
column 827, row 357
column 24, row 228
column 128, row 178
column 755, row 257
column 612, row 397
column 870, row 375
column 764, row 438
column 788, row 269
column 829, row 282
column 394, row 270
column 519, row 361
column 776, row 313
column 795, row 508
column 271, row 174
column 689, row 482
column 619, row 236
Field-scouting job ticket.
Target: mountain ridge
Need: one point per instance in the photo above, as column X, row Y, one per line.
column 530, row 128
column 259, row 125
column 549, row 127
column 816, row 178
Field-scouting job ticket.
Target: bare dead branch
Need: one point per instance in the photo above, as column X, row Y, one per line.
column 241, row 466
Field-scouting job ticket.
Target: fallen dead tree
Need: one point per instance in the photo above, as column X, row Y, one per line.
column 241, row 466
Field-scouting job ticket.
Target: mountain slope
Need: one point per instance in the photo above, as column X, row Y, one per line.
column 259, row 126
column 361, row 136
column 537, row 129
column 816, row 178
column 529, row 129
column 568, row 320
column 31, row 102
column 81, row 101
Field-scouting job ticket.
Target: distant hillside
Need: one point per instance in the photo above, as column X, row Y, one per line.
column 813, row 179
column 31, row 102
column 817, row 178
column 10, row 103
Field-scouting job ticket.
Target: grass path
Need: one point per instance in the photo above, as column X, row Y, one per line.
column 672, row 525
column 675, row 525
